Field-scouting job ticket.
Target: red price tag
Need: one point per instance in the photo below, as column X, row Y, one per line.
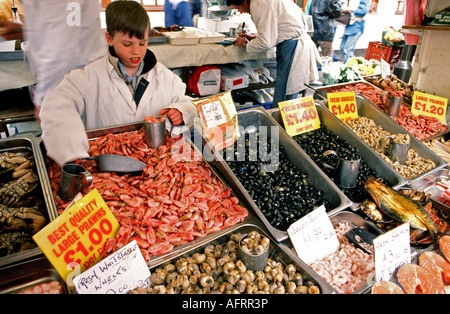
column 430, row 106
column 343, row 105
column 299, row 115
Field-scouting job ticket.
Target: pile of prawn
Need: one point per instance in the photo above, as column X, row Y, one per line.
column 348, row 268
column 175, row 200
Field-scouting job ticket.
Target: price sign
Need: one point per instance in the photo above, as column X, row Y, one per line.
column 77, row 237
column 343, row 105
column 118, row 273
column 392, row 250
column 299, row 115
column 430, row 106
column 313, row 236
column 385, row 69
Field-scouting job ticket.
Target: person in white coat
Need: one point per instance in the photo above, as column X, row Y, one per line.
column 125, row 86
column 281, row 24
column 60, row 35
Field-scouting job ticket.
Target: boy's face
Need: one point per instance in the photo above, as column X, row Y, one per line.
column 130, row 50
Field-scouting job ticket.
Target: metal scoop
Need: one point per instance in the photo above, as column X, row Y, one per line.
column 117, row 163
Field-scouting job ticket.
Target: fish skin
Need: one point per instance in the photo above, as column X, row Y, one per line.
column 400, row 207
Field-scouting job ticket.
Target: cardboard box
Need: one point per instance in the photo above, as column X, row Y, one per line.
column 232, row 79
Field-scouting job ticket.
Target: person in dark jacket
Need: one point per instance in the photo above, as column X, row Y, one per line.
column 323, row 12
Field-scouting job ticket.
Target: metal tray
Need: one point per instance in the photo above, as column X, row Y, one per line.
column 371, row 111
column 277, row 252
column 155, row 40
column 94, row 133
column 19, row 277
column 257, row 117
column 372, row 159
column 356, row 221
column 22, row 144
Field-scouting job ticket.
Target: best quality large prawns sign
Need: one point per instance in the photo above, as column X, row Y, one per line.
column 75, row 240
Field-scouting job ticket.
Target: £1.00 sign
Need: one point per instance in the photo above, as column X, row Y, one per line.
column 77, row 237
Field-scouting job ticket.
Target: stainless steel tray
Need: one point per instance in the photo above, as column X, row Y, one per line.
column 22, row 144
column 319, row 93
column 94, row 133
column 254, row 118
column 19, row 277
column 277, row 251
column 371, row 158
column 369, row 110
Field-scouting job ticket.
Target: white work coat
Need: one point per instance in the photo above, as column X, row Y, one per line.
column 61, row 35
column 280, row 20
column 98, row 97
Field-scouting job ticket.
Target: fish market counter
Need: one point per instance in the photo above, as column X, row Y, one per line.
column 174, row 56
column 16, row 71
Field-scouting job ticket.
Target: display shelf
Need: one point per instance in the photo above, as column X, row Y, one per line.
column 418, row 29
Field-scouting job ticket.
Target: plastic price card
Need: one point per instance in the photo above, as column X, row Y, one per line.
column 392, row 250
column 343, row 105
column 77, row 237
column 118, row 273
column 299, row 115
column 313, row 236
column 430, row 106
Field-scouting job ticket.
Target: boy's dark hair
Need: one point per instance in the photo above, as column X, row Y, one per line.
column 128, row 17
column 235, row 2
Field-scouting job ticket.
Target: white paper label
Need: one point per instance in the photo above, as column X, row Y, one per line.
column 214, row 114
column 118, row 273
column 385, row 69
column 392, row 250
column 313, row 236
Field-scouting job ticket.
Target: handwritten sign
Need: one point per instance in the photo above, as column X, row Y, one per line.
column 385, row 69
column 392, row 250
column 313, row 236
column 299, row 115
column 343, row 105
column 430, row 106
column 77, row 237
column 119, row 273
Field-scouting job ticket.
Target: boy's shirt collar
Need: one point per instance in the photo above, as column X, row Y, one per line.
column 131, row 79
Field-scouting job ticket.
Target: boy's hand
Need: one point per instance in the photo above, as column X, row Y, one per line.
column 10, row 30
column 175, row 116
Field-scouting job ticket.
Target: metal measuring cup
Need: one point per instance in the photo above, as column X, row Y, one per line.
column 74, row 178
column 255, row 262
column 155, row 133
column 397, row 152
column 347, row 171
column 392, row 103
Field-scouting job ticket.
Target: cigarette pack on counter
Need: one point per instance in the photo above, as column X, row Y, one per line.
column 232, row 79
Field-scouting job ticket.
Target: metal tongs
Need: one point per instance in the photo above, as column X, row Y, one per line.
column 360, row 236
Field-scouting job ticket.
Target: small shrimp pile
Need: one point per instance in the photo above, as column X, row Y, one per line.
column 348, row 268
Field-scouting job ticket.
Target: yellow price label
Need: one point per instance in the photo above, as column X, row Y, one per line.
column 77, row 237
column 343, row 105
column 430, row 106
column 299, row 115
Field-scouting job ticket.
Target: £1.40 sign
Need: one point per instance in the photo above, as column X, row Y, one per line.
column 430, row 106
column 343, row 105
column 299, row 115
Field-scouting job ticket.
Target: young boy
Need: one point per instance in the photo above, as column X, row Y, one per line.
column 123, row 87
